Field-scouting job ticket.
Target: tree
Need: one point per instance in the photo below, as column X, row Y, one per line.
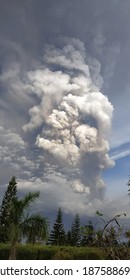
column 37, row 229
column 87, row 233
column 109, row 238
column 15, row 220
column 128, row 186
column 5, row 210
column 68, row 238
column 128, row 231
column 22, row 221
column 57, row 235
column 76, row 232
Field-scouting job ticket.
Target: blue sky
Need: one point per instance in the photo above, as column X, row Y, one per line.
column 64, row 103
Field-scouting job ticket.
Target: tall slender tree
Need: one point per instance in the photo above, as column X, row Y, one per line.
column 68, row 238
column 57, row 235
column 6, row 210
column 76, row 232
column 128, row 186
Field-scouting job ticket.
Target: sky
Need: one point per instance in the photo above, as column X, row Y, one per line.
column 64, row 103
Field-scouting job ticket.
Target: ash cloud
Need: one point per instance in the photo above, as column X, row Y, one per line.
column 74, row 115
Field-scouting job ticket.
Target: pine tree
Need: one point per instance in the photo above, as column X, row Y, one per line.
column 57, row 235
column 76, row 232
column 68, row 238
column 6, row 210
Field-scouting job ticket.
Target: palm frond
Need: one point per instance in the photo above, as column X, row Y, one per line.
column 29, row 198
column 35, row 227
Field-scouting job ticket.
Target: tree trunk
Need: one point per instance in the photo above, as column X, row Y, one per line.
column 12, row 255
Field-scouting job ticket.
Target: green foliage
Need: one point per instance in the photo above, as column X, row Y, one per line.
column 57, row 235
column 76, row 232
column 41, row 252
column 6, row 211
column 68, row 238
column 20, row 216
column 25, row 225
column 37, row 229
column 4, row 251
column 99, row 214
column 108, row 238
column 16, row 222
column 129, row 186
column 87, row 233
column 63, row 254
column 88, row 253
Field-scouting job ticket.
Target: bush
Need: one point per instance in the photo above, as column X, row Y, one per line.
column 4, row 251
column 87, row 253
column 37, row 252
column 25, row 252
column 43, row 252
column 78, row 253
column 46, row 253
column 62, row 255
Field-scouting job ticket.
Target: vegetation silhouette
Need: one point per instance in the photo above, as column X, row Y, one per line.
column 18, row 224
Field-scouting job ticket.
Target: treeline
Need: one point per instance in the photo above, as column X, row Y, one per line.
column 77, row 236
column 20, row 225
column 109, row 234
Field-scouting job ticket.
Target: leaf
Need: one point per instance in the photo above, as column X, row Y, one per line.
column 98, row 213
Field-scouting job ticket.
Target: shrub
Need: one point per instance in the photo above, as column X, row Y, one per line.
column 43, row 252
column 4, row 251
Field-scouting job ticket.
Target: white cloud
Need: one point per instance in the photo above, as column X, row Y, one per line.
column 75, row 116
column 58, row 194
column 119, row 155
column 31, row 81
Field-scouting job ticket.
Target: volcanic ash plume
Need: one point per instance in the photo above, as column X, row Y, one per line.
column 74, row 115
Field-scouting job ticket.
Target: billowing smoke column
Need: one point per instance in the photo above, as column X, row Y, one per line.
column 74, row 115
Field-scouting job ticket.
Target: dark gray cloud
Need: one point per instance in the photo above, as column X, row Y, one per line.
column 103, row 26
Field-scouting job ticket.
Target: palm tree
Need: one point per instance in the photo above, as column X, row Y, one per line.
column 22, row 222
column 37, row 228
